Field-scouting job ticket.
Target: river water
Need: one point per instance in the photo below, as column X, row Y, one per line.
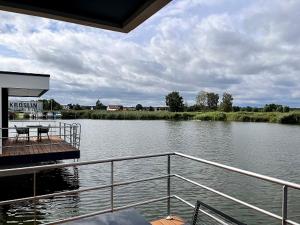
column 269, row 149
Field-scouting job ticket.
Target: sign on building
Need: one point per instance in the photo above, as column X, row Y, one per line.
column 25, row 106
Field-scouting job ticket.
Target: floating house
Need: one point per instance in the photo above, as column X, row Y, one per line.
column 32, row 141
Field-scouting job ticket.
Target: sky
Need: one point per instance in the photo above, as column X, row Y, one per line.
column 249, row 48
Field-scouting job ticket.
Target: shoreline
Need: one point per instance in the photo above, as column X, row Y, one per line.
column 292, row 117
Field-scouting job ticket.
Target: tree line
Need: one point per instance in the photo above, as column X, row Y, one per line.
column 205, row 101
column 209, row 101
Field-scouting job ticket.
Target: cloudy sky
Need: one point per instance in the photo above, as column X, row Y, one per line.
column 248, row 48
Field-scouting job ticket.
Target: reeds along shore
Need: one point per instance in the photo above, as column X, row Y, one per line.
column 272, row 117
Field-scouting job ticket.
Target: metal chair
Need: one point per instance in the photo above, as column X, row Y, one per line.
column 43, row 130
column 22, row 130
column 215, row 216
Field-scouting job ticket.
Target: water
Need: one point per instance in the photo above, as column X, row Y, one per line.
column 270, row 149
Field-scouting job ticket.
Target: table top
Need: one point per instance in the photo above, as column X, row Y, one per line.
column 34, row 126
column 122, row 217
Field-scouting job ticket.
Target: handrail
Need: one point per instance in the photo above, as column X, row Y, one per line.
column 31, row 169
column 35, row 169
column 244, row 172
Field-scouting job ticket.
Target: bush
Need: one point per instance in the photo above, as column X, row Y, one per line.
column 291, row 118
column 26, row 116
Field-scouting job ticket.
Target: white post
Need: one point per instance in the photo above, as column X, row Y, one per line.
column 1, row 120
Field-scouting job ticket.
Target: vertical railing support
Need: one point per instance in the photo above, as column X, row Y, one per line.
column 59, row 129
column 284, row 204
column 71, row 140
column 112, row 186
column 169, row 188
column 64, row 131
column 34, row 195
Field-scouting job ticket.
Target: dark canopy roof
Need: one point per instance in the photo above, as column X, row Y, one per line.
column 117, row 15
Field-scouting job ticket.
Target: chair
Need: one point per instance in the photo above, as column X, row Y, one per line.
column 22, row 130
column 43, row 130
column 204, row 219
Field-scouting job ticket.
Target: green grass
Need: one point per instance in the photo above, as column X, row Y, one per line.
column 270, row 117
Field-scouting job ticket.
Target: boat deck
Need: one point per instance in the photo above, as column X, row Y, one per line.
column 23, row 151
column 173, row 221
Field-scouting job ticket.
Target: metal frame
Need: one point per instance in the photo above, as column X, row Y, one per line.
column 112, row 161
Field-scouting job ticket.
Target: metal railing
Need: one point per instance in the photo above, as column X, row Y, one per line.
column 34, row 170
column 65, row 134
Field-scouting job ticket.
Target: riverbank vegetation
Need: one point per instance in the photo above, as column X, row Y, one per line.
column 272, row 117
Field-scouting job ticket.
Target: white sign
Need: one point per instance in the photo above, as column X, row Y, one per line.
column 25, row 106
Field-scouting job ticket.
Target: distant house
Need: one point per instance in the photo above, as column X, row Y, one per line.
column 66, row 107
column 114, row 108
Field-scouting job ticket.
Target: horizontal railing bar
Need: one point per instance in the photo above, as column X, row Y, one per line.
column 108, row 210
column 81, row 190
column 229, row 197
column 234, row 199
column 244, row 172
column 29, row 170
column 291, row 222
column 201, row 210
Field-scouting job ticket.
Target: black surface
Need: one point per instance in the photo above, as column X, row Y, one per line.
column 215, row 212
column 24, row 74
column 123, row 217
column 4, row 112
column 109, row 12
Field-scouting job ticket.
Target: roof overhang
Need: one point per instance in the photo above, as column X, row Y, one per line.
column 24, row 84
column 116, row 15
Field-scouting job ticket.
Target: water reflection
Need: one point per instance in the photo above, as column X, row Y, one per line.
column 47, row 182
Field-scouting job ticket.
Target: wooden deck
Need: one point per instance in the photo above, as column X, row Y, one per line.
column 174, row 221
column 23, row 151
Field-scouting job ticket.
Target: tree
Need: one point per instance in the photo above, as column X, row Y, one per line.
column 139, row 107
column 279, row 108
column 151, row 108
column 201, row 99
column 51, row 105
column 212, row 100
column 286, row 109
column 77, row 107
column 99, row 105
column 226, row 104
column 175, row 102
column 236, row 108
column 70, row 106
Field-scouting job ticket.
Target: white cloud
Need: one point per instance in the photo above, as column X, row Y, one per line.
column 252, row 52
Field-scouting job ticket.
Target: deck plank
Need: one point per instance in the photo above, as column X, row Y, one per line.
column 23, row 147
column 174, row 221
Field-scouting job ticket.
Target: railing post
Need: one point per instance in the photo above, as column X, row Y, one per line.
column 169, row 188
column 74, row 135
column 64, row 131
column 71, row 141
column 34, row 195
column 284, row 204
column 112, row 186
column 59, row 129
